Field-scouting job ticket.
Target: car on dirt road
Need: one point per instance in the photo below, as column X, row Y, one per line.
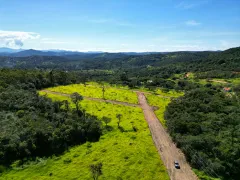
column 176, row 164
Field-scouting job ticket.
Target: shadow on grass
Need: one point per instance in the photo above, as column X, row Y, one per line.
column 121, row 129
column 109, row 128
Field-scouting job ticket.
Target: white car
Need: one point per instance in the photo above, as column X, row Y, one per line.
column 176, row 164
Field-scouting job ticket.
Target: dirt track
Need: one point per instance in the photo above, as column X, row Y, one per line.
column 166, row 148
column 94, row 99
column 219, row 81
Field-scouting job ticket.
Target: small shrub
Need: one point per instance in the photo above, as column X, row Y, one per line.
column 133, row 137
column 75, row 155
column 20, row 113
column 88, row 151
column 104, row 150
column 135, row 129
column 96, row 170
column 67, row 161
column 89, row 145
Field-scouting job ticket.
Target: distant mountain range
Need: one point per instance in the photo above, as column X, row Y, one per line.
column 31, row 52
column 8, row 50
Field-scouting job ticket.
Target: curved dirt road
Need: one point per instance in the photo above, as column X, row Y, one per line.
column 165, row 146
column 95, row 99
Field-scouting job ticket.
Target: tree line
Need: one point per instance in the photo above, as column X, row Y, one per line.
column 33, row 125
column 205, row 124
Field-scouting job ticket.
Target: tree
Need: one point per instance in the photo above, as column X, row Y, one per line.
column 96, row 170
column 66, row 104
column 103, row 91
column 51, row 77
column 76, row 98
column 106, row 120
column 119, row 116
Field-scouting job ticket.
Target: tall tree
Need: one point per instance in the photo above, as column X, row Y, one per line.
column 106, row 120
column 76, row 99
column 66, row 105
column 119, row 116
column 103, row 91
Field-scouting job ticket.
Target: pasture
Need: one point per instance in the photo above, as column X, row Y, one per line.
column 127, row 152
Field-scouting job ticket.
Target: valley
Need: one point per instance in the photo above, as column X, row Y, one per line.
column 132, row 124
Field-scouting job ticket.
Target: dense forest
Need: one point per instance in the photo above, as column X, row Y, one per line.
column 204, row 123
column 33, row 125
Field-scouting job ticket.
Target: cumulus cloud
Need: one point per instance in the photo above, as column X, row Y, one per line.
column 16, row 39
column 192, row 23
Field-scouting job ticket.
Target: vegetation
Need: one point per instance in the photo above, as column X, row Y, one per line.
column 123, row 154
column 205, row 124
column 197, row 95
column 33, row 126
column 96, row 91
column 161, row 101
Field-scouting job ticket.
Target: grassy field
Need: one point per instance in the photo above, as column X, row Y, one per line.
column 95, row 90
column 162, row 101
column 125, row 155
column 170, row 94
column 215, row 81
column 202, row 176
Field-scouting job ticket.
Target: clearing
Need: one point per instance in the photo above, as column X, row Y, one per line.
column 126, row 153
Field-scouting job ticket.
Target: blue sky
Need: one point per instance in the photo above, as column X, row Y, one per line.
column 120, row 25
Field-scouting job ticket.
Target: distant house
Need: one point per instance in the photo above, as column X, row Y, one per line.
column 227, row 89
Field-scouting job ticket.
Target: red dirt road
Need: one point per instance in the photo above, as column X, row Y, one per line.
column 165, row 146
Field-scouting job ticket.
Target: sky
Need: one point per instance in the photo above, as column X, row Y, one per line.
column 120, row 25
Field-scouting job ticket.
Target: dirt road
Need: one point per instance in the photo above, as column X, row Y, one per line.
column 165, row 146
column 95, row 99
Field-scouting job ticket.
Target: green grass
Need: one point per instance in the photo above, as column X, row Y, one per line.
column 235, row 81
column 170, row 93
column 216, row 81
column 161, row 102
column 124, row 155
column 95, row 90
column 202, row 176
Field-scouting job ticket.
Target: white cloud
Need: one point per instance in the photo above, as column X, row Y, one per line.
column 192, row 23
column 16, row 39
column 189, row 5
